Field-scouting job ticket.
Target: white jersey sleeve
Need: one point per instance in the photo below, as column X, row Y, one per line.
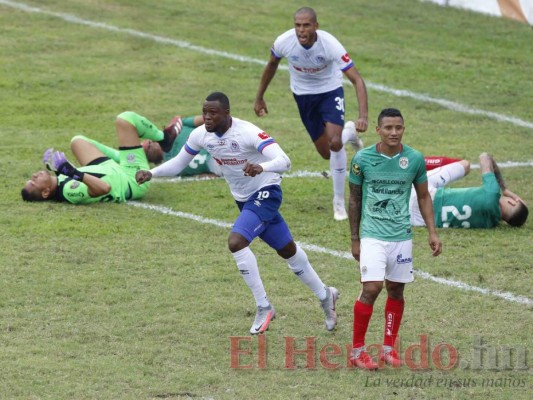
column 313, row 70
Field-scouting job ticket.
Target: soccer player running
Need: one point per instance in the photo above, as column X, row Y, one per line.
column 99, row 179
column 251, row 162
column 381, row 177
column 317, row 61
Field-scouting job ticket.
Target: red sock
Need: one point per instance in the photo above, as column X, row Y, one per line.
column 393, row 318
column 361, row 318
column 436, row 162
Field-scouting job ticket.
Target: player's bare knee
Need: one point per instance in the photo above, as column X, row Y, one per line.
column 466, row 166
column 236, row 242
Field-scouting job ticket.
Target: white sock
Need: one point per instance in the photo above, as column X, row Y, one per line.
column 247, row 264
column 347, row 134
column 337, row 166
column 299, row 264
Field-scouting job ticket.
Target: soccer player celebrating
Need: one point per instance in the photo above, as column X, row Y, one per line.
column 251, row 162
column 381, row 177
column 317, row 61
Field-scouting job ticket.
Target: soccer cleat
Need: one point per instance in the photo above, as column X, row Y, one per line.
column 354, row 139
column 363, row 361
column 339, row 211
column 262, row 319
column 328, row 305
column 391, row 358
column 171, row 132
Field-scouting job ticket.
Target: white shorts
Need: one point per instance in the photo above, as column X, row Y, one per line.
column 437, row 178
column 381, row 260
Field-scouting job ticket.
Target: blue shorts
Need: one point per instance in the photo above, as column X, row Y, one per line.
column 260, row 217
column 317, row 109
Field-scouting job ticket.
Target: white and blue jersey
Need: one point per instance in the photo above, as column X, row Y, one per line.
column 243, row 142
column 313, row 70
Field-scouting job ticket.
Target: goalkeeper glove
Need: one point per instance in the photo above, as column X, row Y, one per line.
column 61, row 165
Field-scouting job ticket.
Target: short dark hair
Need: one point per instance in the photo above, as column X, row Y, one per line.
column 389, row 112
column 30, row 196
column 220, row 97
column 519, row 216
column 306, row 10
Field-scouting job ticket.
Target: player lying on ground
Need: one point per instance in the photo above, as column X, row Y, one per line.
column 99, row 179
column 202, row 164
column 473, row 207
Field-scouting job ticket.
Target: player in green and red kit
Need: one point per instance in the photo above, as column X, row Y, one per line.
column 99, row 179
column 473, row 207
column 381, row 178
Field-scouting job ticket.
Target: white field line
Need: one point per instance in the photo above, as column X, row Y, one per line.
column 401, row 93
column 343, row 254
column 451, row 105
column 315, row 174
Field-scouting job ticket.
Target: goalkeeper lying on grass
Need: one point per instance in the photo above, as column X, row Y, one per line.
column 100, row 179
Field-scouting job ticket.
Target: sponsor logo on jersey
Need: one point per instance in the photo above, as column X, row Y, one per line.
column 221, row 142
column 263, row 135
column 404, row 162
column 309, row 70
column 401, row 260
column 387, row 206
column 210, row 147
column 356, row 169
column 346, row 58
column 230, row 161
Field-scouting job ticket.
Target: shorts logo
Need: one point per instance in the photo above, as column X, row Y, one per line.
column 364, row 270
column 131, row 158
column 404, row 162
column 401, row 260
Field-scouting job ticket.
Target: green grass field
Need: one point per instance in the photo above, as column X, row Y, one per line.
column 128, row 302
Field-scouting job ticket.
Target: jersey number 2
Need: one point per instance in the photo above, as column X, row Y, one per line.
column 455, row 212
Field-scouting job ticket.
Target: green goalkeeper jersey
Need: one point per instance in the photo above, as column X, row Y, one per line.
column 386, row 187
column 475, row 207
column 199, row 164
column 120, row 176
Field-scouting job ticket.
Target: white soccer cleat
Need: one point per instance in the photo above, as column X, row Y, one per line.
column 328, row 305
column 354, row 139
column 339, row 211
column 262, row 319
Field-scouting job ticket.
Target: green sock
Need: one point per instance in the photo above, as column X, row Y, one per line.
column 145, row 128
